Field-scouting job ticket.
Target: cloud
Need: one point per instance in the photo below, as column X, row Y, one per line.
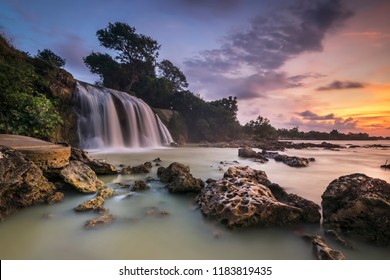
column 270, row 41
column 249, row 60
column 309, row 115
column 73, row 49
column 326, row 124
column 339, row 85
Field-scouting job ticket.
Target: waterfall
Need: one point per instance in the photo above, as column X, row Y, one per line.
column 109, row 118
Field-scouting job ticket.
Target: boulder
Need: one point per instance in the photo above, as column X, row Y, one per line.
column 248, row 152
column 358, row 206
column 289, row 160
column 179, row 178
column 321, row 250
column 55, row 198
column 142, row 168
column 99, row 167
column 81, row 177
column 104, row 219
column 95, row 203
column 105, row 192
column 242, row 199
column 22, row 183
column 140, row 185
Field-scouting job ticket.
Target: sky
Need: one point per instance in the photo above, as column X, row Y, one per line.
column 312, row 64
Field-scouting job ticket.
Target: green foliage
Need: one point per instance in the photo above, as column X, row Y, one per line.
column 135, row 56
column 173, row 74
column 24, row 109
column 260, row 129
column 50, row 57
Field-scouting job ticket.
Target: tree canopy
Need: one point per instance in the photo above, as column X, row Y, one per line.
column 50, row 57
column 136, row 55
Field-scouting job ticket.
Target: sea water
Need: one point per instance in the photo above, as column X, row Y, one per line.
column 141, row 232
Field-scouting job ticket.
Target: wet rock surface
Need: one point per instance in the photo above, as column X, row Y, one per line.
column 263, row 157
column 321, row 250
column 179, row 178
column 358, row 206
column 99, row 167
column 139, row 169
column 104, row 219
column 95, row 203
column 22, row 183
column 140, row 185
column 81, row 177
column 243, row 199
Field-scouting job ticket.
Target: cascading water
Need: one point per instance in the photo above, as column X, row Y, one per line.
column 109, row 118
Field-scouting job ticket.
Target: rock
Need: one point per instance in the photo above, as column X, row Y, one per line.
column 106, row 193
column 140, row 185
column 81, row 177
column 248, row 173
column 358, row 206
column 126, row 170
column 179, row 178
column 22, row 183
column 142, row 168
column 55, row 198
column 248, row 152
column 98, row 167
column 95, row 203
column 155, row 212
column 157, row 160
column 243, row 199
column 288, row 160
column 337, row 238
column 321, row 250
column 104, row 219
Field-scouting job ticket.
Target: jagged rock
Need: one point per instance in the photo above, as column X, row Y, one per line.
column 336, row 237
column 81, row 177
column 98, row 167
column 289, row 160
column 22, row 183
column 140, row 185
column 248, row 152
column 95, row 203
column 142, row 168
column 243, row 199
column 106, row 192
column 321, row 250
column 358, row 206
column 179, row 178
column 157, row 160
column 104, row 219
column 55, row 198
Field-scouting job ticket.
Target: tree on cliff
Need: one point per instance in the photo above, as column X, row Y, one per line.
column 173, row 74
column 50, row 57
column 136, row 56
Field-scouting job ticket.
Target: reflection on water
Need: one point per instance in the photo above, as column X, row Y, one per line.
column 142, row 232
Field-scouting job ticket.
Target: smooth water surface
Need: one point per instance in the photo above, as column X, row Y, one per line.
column 141, row 232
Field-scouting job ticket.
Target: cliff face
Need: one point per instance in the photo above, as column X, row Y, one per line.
column 34, row 96
column 175, row 122
column 60, row 87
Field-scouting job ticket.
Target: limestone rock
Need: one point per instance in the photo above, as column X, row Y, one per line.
column 248, row 152
column 95, row 203
column 98, row 167
column 289, row 160
column 140, row 185
column 22, row 183
column 142, row 168
column 104, row 219
column 243, row 199
column 358, row 206
column 179, row 178
column 321, row 250
column 81, row 177
column 55, row 198
column 106, row 192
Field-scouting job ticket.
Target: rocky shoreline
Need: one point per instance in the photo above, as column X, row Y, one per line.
column 354, row 207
